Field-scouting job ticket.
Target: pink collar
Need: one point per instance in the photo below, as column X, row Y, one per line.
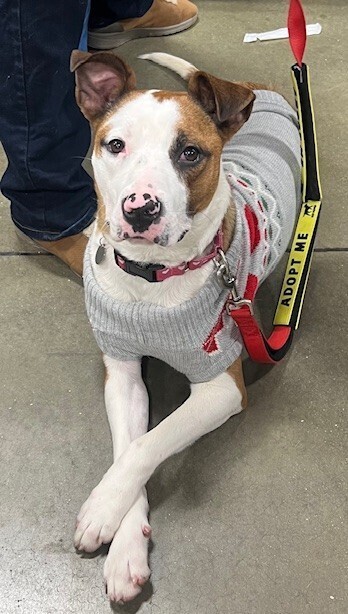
column 159, row 272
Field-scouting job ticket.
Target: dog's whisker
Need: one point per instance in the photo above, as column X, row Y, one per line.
column 81, row 158
column 103, row 227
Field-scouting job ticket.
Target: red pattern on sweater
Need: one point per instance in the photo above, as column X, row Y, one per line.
column 211, row 344
column 254, row 231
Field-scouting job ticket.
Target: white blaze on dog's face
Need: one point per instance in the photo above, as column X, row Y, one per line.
column 156, row 161
column 157, row 155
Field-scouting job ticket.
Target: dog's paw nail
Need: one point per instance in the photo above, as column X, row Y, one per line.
column 147, row 531
column 139, row 580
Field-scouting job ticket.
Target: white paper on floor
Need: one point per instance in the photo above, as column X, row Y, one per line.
column 312, row 28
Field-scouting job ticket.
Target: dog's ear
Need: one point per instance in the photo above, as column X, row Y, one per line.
column 228, row 104
column 101, row 78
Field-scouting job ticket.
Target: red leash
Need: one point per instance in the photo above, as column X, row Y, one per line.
column 259, row 348
column 274, row 348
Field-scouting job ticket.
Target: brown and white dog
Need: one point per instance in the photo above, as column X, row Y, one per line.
column 167, row 146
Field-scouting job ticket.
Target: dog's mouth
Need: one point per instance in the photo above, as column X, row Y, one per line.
column 136, row 240
column 182, row 235
column 162, row 239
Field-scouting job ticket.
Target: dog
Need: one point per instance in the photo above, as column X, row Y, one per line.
column 189, row 184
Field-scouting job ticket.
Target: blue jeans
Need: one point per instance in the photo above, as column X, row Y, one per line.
column 43, row 132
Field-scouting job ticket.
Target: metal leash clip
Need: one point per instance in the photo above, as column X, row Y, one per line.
column 227, row 280
column 223, row 272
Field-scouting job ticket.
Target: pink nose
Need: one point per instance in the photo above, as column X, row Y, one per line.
column 141, row 210
column 134, row 201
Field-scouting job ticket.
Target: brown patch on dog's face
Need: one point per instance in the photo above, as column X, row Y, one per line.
column 202, row 179
column 100, row 134
column 197, row 130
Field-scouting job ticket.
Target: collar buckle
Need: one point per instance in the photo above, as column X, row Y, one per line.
column 148, row 271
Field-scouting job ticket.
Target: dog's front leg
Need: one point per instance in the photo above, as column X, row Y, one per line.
column 126, row 567
column 209, row 405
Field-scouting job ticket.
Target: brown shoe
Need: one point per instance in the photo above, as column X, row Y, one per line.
column 70, row 250
column 163, row 17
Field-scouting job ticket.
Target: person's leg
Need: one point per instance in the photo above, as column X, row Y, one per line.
column 114, row 22
column 44, row 135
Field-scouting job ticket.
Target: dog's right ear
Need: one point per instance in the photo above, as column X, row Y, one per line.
column 101, row 78
column 227, row 104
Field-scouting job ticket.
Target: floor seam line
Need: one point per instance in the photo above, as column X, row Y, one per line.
column 24, row 254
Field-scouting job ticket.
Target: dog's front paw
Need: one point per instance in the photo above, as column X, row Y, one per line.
column 100, row 516
column 97, row 522
column 126, row 569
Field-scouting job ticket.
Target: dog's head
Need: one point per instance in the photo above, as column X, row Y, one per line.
column 156, row 155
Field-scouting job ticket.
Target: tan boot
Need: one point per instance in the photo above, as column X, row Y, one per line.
column 70, row 250
column 163, row 17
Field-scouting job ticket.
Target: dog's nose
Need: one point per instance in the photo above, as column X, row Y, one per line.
column 140, row 211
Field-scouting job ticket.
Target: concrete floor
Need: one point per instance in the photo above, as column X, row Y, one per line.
column 252, row 518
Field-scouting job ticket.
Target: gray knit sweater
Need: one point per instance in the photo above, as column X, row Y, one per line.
column 262, row 164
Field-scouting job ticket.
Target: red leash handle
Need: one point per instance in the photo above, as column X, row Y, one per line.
column 297, row 30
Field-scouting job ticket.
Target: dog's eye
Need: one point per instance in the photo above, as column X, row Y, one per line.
column 190, row 154
column 115, row 146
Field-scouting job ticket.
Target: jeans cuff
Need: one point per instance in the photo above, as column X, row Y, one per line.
column 44, row 235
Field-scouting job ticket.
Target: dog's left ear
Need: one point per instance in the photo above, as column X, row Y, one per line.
column 228, row 104
column 101, row 78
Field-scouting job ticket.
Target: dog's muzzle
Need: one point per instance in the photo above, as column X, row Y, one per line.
column 140, row 211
